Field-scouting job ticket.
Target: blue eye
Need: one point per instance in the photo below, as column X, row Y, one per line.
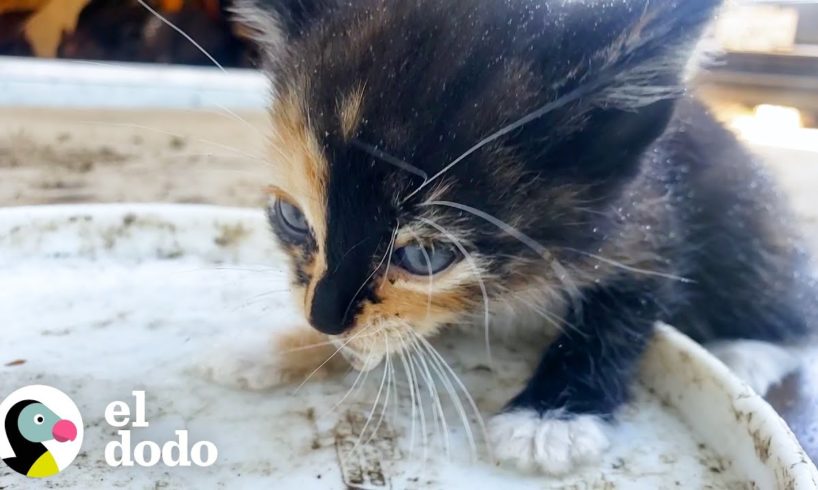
column 291, row 219
column 423, row 261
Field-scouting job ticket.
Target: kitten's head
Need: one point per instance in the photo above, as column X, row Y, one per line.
column 402, row 206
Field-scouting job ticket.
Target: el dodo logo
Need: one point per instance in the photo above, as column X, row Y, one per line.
column 41, row 433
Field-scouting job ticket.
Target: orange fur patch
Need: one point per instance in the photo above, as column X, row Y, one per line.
column 300, row 173
column 349, row 112
column 302, row 350
column 400, row 304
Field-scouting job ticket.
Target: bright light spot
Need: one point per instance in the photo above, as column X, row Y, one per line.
column 778, row 116
column 774, row 125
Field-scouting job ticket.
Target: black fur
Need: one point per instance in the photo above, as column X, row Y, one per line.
column 26, row 452
column 624, row 166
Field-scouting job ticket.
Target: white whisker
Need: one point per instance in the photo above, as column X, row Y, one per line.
column 542, row 251
column 390, row 251
column 431, row 275
column 455, row 398
column 351, row 389
column 629, row 268
column 388, row 368
column 304, row 347
column 350, row 339
column 371, row 412
column 424, row 434
column 459, row 382
column 555, row 320
column 233, row 115
column 386, row 157
column 412, row 399
column 364, row 283
column 531, row 116
column 434, row 395
column 480, row 281
column 142, row 127
column 183, row 33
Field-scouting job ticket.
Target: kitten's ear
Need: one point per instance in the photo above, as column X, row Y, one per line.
column 631, row 72
column 274, row 23
column 646, row 49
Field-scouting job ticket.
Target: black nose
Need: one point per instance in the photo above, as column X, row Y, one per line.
column 332, row 306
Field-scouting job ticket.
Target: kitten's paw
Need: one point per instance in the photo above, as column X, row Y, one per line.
column 534, row 442
column 235, row 370
column 759, row 364
column 289, row 357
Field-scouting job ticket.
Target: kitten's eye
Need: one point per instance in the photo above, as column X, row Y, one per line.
column 291, row 219
column 423, row 261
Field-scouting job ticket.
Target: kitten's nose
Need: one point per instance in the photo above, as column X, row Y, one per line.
column 330, row 305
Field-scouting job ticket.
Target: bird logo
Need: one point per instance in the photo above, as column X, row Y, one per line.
column 42, row 429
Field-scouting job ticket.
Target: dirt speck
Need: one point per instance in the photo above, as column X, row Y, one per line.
column 762, row 446
column 177, row 142
column 16, row 362
column 310, row 414
column 230, row 235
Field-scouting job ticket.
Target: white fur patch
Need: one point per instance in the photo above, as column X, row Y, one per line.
column 534, row 442
column 759, row 364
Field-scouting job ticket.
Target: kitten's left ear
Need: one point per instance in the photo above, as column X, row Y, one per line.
column 630, row 57
column 273, row 24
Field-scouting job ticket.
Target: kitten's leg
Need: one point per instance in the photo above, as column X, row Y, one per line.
column 560, row 418
column 290, row 356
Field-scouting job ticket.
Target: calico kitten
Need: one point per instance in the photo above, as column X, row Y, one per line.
column 442, row 162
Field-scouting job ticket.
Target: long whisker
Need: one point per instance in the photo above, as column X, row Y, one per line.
column 390, row 251
column 364, row 373
column 454, row 397
column 412, row 399
column 232, row 114
column 422, row 411
column 465, row 391
column 392, row 160
column 388, row 368
column 480, row 281
column 350, row 339
column 364, row 283
column 434, row 395
column 371, row 412
column 539, row 249
column 183, row 33
column 553, row 319
column 142, row 127
column 629, row 268
column 431, row 275
column 545, row 109
column 304, row 347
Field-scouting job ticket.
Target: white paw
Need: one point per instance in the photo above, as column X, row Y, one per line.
column 759, row 364
column 534, row 442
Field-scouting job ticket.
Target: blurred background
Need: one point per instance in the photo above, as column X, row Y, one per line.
column 116, row 100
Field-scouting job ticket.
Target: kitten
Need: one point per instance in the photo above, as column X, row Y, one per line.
column 441, row 162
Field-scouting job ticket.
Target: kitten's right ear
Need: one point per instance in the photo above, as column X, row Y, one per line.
column 272, row 24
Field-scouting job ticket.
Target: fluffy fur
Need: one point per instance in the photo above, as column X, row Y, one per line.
column 552, row 145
